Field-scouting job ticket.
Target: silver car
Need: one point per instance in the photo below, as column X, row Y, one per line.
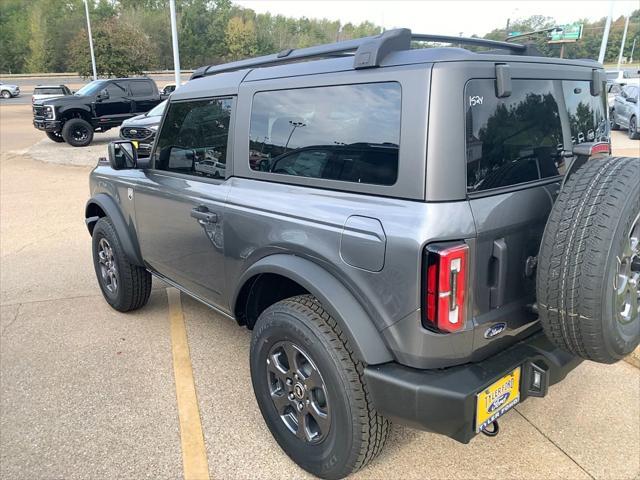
column 9, row 91
column 626, row 110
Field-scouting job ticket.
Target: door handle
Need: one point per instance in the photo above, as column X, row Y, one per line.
column 497, row 290
column 203, row 215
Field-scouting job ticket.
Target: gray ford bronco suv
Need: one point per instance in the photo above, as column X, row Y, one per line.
column 421, row 235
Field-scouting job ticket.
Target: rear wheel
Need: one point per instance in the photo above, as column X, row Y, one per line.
column 311, row 391
column 589, row 264
column 55, row 136
column 77, row 132
column 633, row 128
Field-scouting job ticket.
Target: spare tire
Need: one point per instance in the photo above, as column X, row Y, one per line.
column 589, row 263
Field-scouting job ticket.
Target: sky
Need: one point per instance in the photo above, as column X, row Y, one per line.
column 451, row 17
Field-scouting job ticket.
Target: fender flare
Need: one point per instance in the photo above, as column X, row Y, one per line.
column 125, row 235
column 335, row 298
column 80, row 108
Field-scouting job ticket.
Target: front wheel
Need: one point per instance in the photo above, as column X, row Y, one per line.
column 77, row 132
column 55, row 136
column 311, row 391
column 612, row 120
column 6, row 94
column 125, row 286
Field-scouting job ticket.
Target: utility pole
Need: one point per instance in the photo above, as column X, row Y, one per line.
column 633, row 47
column 93, row 57
column 174, row 41
column 624, row 39
column 605, row 35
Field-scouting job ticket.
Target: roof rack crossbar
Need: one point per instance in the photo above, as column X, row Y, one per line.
column 480, row 42
column 369, row 52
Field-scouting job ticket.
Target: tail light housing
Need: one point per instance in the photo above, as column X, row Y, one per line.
column 445, row 286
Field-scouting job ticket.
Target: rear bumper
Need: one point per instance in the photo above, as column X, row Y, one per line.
column 444, row 401
column 47, row 125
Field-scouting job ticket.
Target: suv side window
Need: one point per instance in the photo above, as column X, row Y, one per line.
column 346, row 132
column 116, row 90
column 140, row 88
column 193, row 132
column 512, row 140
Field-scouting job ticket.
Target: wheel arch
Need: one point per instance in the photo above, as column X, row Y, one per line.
column 301, row 276
column 102, row 205
column 75, row 112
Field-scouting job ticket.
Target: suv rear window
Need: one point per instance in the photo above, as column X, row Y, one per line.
column 519, row 138
column 349, row 133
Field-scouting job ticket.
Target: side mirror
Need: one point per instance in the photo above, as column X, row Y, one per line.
column 632, row 99
column 104, row 94
column 123, row 155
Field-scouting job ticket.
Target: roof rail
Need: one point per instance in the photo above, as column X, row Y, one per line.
column 367, row 52
column 480, row 42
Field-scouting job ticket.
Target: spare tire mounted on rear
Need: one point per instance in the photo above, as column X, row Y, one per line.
column 588, row 283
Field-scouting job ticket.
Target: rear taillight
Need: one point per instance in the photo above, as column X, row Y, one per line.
column 446, row 284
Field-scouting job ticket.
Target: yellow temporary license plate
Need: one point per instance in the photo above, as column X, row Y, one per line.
column 497, row 398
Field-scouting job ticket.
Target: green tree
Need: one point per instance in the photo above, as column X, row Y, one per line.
column 121, row 50
column 240, row 38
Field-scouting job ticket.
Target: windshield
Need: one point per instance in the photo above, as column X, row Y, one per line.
column 158, row 110
column 91, row 88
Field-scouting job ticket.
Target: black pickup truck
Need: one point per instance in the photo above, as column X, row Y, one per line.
column 96, row 107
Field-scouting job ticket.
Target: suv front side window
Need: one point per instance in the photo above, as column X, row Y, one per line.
column 349, row 133
column 193, row 132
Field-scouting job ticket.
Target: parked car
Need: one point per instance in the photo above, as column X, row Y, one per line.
column 142, row 128
column 9, row 91
column 626, row 111
column 404, row 231
column 169, row 89
column 97, row 107
column 44, row 92
column 622, row 76
column 613, row 90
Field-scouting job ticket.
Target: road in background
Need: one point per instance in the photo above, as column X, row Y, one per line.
column 87, row 392
column 27, row 84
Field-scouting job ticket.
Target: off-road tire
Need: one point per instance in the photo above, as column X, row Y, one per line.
column 357, row 432
column 55, row 136
column 578, row 266
column 70, row 132
column 133, row 282
column 633, row 129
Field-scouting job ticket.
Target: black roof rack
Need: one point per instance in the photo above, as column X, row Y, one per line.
column 367, row 52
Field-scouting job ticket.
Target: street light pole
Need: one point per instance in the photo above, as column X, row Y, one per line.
column 174, row 41
column 605, row 35
column 624, row 39
column 93, row 57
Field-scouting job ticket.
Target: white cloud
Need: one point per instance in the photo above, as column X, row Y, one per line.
column 437, row 16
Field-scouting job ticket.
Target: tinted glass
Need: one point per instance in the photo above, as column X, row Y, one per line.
column 141, row 88
column 193, row 135
column 158, row 110
column 349, row 132
column 116, row 90
column 48, row 91
column 512, row 140
column 587, row 114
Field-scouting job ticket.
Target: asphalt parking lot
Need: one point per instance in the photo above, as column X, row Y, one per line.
column 87, row 392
